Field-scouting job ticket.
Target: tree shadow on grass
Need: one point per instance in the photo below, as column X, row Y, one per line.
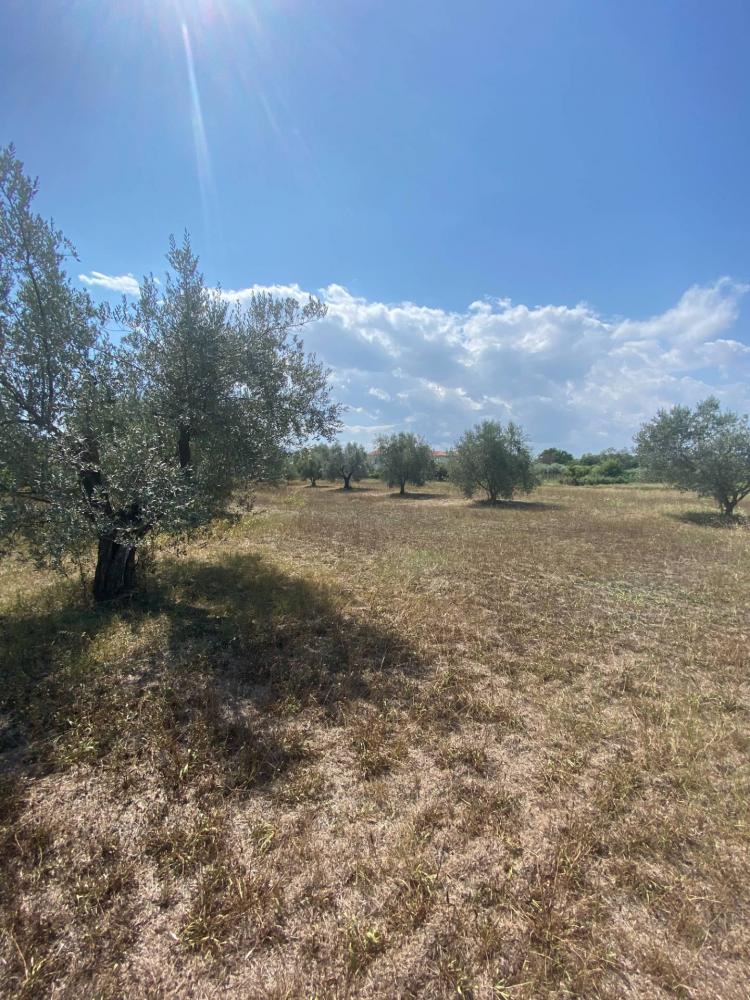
column 200, row 678
column 710, row 519
column 418, row 496
column 167, row 706
column 529, row 505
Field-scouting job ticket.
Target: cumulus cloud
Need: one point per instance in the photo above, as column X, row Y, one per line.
column 124, row 284
column 570, row 375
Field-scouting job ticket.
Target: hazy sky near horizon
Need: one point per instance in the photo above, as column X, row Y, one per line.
column 534, row 209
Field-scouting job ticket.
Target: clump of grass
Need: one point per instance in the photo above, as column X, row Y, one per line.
column 363, row 944
column 230, row 908
column 473, row 758
column 182, row 848
column 377, row 743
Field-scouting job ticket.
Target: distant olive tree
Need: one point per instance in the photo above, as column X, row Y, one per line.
column 310, row 463
column 404, row 458
column 701, row 449
column 494, row 459
column 346, row 462
column 104, row 444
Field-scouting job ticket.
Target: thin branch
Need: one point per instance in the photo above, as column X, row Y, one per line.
column 25, row 495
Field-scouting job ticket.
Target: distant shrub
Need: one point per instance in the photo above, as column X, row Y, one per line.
column 624, row 459
column 554, row 456
column 607, row 473
column 550, row 472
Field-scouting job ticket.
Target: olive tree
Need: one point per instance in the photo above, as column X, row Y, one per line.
column 404, row 458
column 103, row 443
column 702, row 449
column 494, row 459
column 346, row 462
column 310, row 463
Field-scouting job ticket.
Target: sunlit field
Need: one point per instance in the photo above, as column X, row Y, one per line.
column 352, row 744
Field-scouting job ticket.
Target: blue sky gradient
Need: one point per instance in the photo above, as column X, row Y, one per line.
column 523, row 208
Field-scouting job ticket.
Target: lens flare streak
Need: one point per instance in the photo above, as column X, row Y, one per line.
column 202, row 157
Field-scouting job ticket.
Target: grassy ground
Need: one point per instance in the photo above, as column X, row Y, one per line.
column 357, row 745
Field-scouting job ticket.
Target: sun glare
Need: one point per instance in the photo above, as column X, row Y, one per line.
column 202, row 156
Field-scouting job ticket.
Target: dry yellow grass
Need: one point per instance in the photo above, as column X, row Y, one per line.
column 352, row 745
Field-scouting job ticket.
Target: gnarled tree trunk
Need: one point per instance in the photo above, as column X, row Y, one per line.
column 115, row 569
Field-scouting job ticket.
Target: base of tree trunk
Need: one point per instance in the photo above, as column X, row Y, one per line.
column 115, row 570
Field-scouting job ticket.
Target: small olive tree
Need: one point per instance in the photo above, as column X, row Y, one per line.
column 404, row 458
column 103, row 444
column 310, row 463
column 703, row 450
column 494, row 459
column 346, row 462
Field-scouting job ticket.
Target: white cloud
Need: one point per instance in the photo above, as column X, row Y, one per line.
column 281, row 291
column 368, row 431
column 379, row 394
column 124, row 284
column 571, row 376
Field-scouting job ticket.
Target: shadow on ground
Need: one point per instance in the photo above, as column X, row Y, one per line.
column 193, row 676
column 529, row 505
column 418, row 496
column 710, row 519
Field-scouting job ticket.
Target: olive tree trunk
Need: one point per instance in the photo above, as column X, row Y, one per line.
column 115, row 569
column 183, row 446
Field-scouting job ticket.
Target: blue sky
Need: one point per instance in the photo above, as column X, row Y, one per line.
column 515, row 208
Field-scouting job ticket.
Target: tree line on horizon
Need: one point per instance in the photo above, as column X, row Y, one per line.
column 352, row 461
column 105, row 444
column 704, row 450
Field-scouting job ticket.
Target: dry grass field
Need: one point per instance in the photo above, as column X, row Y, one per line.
column 351, row 745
